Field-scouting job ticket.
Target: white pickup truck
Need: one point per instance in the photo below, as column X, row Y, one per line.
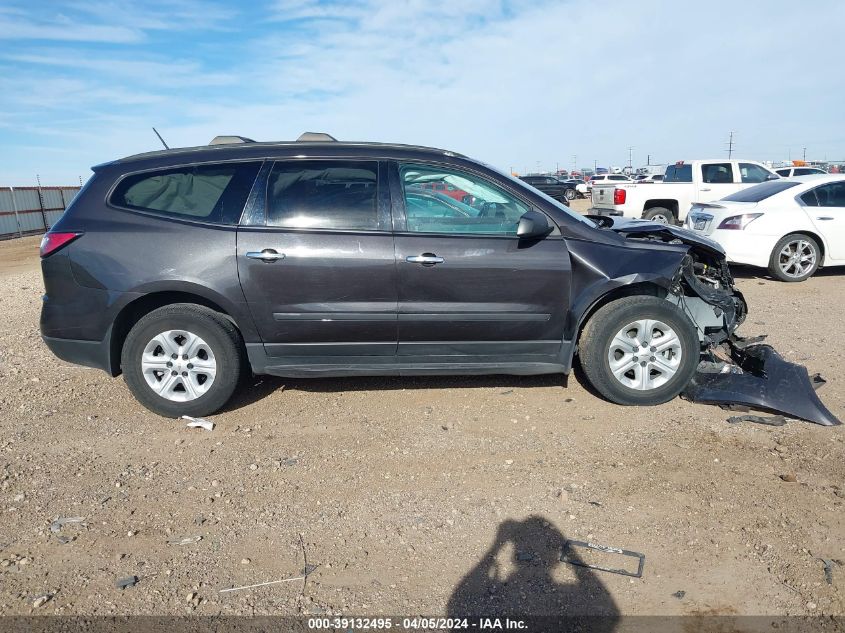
column 684, row 183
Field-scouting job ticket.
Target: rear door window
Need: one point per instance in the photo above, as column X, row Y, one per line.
column 209, row 193
column 717, row 173
column 323, row 194
column 831, row 195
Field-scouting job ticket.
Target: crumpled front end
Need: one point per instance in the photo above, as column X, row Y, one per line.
column 733, row 371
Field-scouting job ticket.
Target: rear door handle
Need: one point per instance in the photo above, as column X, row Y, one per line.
column 426, row 259
column 824, row 217
column 267, row 255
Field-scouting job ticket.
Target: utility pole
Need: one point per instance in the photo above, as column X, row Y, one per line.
column 805, row 155
column 575, row 162
column 630, row 157
column 648, row 160
column 731, row 144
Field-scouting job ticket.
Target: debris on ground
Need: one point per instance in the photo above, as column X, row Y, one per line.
column 126, row 582
column 58, row 524
column 679, row 594
column 185, row 540
column 264, row 584
column 828, row 569
column 789, row 478
column 198, row 423
column 41, row 600
column 774, row 420
column 569, row 556
column 755, row 377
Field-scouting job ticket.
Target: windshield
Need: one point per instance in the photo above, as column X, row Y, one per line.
column 760, row 192
column 558, row 205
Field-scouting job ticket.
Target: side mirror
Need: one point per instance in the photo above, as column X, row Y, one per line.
column 772, row 177
column 533, row 225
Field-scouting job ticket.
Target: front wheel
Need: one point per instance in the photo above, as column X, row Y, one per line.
column 183, row 359
column 639, row 350
column 570, row 194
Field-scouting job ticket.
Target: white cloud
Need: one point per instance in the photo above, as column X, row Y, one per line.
column 16, row 27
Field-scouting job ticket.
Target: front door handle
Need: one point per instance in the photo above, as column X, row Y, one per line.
column 824, row 217
column 267, row 255
column 426, row 259
column 708, row 189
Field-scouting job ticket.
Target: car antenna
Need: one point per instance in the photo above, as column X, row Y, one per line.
column 161, row 139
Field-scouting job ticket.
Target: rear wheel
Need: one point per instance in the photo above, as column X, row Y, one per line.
column 183, row 359
column 570, row 194
column 659, row 214
column 639, row 350
column 796, row 257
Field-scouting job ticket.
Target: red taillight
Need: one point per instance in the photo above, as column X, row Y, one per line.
column 619, row 196
column 51, row 242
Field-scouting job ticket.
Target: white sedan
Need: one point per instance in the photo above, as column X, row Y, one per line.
column 790, row 226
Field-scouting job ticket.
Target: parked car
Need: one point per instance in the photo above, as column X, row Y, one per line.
column 184, row 269
column 601, row 179
column 789, row 172
column 790, row 226
column 581, row 186
column 644, row 178
column 684, row 183
column 554, row 187
column 446, row 189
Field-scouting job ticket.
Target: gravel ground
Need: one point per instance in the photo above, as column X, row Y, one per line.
column 414, row 496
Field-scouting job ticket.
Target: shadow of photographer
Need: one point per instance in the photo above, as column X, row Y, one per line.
column 523, row 585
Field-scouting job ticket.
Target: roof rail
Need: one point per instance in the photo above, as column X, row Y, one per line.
column 228, row 140
column 311, row 137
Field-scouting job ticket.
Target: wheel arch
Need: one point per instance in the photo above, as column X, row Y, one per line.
column 668, row 203
column 133, row 311
column 644, row 288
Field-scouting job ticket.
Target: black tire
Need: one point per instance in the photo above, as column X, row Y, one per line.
column 595, row 346
column 570, row 194
column 217, row 332
column 775, row 259
column 658, row 214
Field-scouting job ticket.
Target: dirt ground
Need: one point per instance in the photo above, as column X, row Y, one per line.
column 415, row 496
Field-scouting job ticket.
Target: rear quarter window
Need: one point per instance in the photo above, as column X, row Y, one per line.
column 210, row 193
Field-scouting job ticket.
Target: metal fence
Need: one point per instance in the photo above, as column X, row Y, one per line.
column 27, row 210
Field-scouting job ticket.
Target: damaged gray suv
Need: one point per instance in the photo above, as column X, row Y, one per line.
column 186, row 269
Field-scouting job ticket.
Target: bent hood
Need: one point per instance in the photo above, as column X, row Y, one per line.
column 645, row 229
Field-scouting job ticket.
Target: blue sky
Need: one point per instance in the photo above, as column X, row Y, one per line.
column 516, row 84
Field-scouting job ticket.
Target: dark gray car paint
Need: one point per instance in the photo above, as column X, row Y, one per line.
column 522, row 301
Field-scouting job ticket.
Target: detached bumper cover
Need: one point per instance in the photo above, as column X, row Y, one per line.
column 763, row 379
